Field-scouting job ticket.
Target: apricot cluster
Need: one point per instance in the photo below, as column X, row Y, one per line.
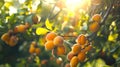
column 96, row 23
column 55, row 43
column 79, row 50
column 34, row 48
column 9, row 38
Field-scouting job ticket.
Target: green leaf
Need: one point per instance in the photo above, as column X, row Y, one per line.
column 41, row 31
column 48, row 24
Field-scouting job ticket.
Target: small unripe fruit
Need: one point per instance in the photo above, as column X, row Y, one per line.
column 81, row 39
column 94, row 27
column 81, row 56
column 74, row 61
column 58, row 41
column 49, row 45
column 50, row 36
column 35, row 19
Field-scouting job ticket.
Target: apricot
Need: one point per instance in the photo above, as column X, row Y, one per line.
column 35, row 19
column 61, row 50
column 96, row 18
column 5, row 37
column 58, row 41
column 59, row 61
column 81, row 56
column 44, row 61
column 76, row 48
column 13, row 41
column 20, row 29
column 67, row 65
column 81, row 39
column 49, row 45
column 37, row 51
column 32, row 50
column 74, row 61
column 88, row 48
column 70, row 55
column 50, row 36
column 94, row 27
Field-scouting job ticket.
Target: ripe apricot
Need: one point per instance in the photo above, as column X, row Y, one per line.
column 81, row 39
column 35, row 19
column 49, row 45
column 33, row 44
column 67, row 65
column 59, row 61
column 94, row 27
column 50, row 36
column 76, row 48
column 37, row 51
column 74, row 61
column 20, row 28
column 81, row 56
column 13, row 41
column 58, row 41
column 61, row 50
column 70, row 55
column 5, row 37
column 88, row 48
column 96, row 18
column 32, row 50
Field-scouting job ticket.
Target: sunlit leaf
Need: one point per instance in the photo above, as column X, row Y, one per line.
column 112, row 37
column 41, row 31
column 48, row 24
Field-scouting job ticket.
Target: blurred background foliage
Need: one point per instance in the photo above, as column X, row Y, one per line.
column 66, row 19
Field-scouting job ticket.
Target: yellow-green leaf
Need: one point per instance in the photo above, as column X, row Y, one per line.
column 48, row 24
column 41, row 31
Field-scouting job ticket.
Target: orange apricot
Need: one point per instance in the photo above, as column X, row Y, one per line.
column 58, row 41
column 67, row 65
column 20, row 28
column 81, row 56
column 44, row 61
column 13, row 41
column 94, row 27
column 81, row 39
column 5, row 37
column 88, row 48
column 49, row 45
column 61, row 50
column 70, row 55
column 50, row 36
column 96, row 18
column 74, row 61
column 32, row 50
column 27, row 25
column 59, row 61
column 76, row 48
column 37, row 51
